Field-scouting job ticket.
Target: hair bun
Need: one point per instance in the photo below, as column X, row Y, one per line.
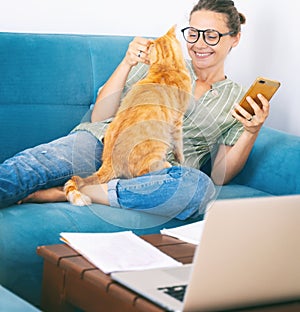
column 242, row 18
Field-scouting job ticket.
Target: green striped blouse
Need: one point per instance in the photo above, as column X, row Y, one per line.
column 207, row 123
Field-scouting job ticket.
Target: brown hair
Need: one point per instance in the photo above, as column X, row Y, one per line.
column 226, row 7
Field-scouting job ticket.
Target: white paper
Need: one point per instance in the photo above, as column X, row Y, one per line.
column 190, row 233
column 120, row 251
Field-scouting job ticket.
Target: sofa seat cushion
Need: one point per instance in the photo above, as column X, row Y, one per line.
column 238, row 191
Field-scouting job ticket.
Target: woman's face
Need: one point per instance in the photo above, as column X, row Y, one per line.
column 203, row 55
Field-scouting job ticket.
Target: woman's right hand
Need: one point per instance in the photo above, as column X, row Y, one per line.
column 137, row 51
column 109, row 97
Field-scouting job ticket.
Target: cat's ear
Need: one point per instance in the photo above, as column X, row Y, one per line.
column 150, row 43
column 172, row 31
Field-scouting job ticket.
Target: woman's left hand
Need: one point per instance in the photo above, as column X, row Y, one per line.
column 252, row 123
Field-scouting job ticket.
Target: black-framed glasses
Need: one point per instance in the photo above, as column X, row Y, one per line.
column 210, row 36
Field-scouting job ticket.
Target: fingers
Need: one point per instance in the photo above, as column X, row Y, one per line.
column 252, row 123
column 265, row 104
column 240, row 113
column 138, row 51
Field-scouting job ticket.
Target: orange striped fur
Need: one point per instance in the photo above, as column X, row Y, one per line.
column 148, row 123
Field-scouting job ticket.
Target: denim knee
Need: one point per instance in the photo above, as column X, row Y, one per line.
column 178, row 192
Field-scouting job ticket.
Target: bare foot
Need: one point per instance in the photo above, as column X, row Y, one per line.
column 51, row 195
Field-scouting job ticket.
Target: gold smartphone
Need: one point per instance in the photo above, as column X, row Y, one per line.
column 266, row 87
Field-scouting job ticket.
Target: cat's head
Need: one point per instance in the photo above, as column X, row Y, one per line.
column 166, row 50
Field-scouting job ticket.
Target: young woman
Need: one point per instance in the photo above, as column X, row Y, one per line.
column 213, row 130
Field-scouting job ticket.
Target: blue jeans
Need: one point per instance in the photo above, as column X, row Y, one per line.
column 174, row 192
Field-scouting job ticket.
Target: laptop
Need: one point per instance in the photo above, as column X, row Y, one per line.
column 249, row 255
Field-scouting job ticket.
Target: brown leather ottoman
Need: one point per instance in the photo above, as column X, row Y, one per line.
column 71, row 282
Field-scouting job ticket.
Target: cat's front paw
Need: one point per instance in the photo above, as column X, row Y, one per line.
column 78, row 199
column 74, row 196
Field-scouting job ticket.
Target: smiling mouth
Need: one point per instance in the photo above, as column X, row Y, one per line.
column 203, row 54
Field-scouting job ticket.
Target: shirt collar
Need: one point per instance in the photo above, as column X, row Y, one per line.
column 194, row 76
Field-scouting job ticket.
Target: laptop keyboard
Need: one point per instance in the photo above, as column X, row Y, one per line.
column 176, row 292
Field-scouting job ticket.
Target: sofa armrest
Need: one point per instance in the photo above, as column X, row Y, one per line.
column 274, row 163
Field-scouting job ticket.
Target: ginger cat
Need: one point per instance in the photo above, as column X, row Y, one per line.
column 148, row 123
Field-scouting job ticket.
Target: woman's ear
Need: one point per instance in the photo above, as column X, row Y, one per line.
column 236, row 40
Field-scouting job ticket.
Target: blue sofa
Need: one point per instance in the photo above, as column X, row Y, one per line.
column 47, row 85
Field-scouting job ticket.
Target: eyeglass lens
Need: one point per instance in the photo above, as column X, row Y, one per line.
column 211, row 37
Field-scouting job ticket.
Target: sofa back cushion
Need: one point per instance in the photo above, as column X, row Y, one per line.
column 48, row 82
